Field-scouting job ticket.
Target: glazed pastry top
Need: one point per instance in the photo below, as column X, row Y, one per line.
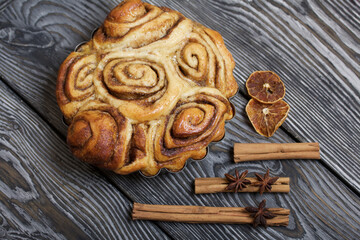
column 149, row 91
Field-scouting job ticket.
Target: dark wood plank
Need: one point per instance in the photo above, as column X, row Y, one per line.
column 319, row 201
column 47, row 194
column 3, row 4
column 321, row 206
column 35, row 37
column 314, row 52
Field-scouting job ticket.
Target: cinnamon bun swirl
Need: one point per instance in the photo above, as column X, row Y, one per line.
column 148, row 91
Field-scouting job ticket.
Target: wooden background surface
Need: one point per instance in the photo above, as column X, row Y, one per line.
column 314, row 46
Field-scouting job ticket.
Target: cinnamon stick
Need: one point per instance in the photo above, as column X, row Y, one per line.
column 200, row 214
column 215, row 185
column 270, row 151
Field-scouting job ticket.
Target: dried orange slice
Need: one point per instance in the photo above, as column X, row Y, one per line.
column 265, row 87
column 267, row 118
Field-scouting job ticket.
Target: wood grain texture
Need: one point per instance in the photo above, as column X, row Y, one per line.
column 36, row 36
column 312, row 46
column 321, row 206
column 317, row 56
column 47, row 194
column 315, row 53
column 4, row 4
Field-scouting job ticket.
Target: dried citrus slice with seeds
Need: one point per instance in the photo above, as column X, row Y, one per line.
column 265, row 87
column 267, row 118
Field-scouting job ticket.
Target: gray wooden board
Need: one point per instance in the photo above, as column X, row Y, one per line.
column 285, row 38
column 313, row 46
column 321, row 206
column 63, row 185
column 47, row 194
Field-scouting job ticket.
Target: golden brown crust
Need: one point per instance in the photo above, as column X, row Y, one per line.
column 196, row 120
column 127, row 11
column 99, row 135
column 213, row 65
column 149, row 91
column 230, row 86
column 75, row 82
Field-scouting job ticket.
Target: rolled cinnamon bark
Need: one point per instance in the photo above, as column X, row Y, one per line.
column 270, row 151
column 200, row 214
column 215, row 185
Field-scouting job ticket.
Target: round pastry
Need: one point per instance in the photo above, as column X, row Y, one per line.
column 148, row 91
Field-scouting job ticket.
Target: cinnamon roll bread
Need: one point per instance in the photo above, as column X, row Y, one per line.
column 148, row 91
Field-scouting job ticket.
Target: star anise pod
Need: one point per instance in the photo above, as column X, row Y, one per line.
column 260, row 214
column 265, row 182
column 237, row 182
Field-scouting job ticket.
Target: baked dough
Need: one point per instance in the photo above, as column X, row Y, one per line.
column 148, row 91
